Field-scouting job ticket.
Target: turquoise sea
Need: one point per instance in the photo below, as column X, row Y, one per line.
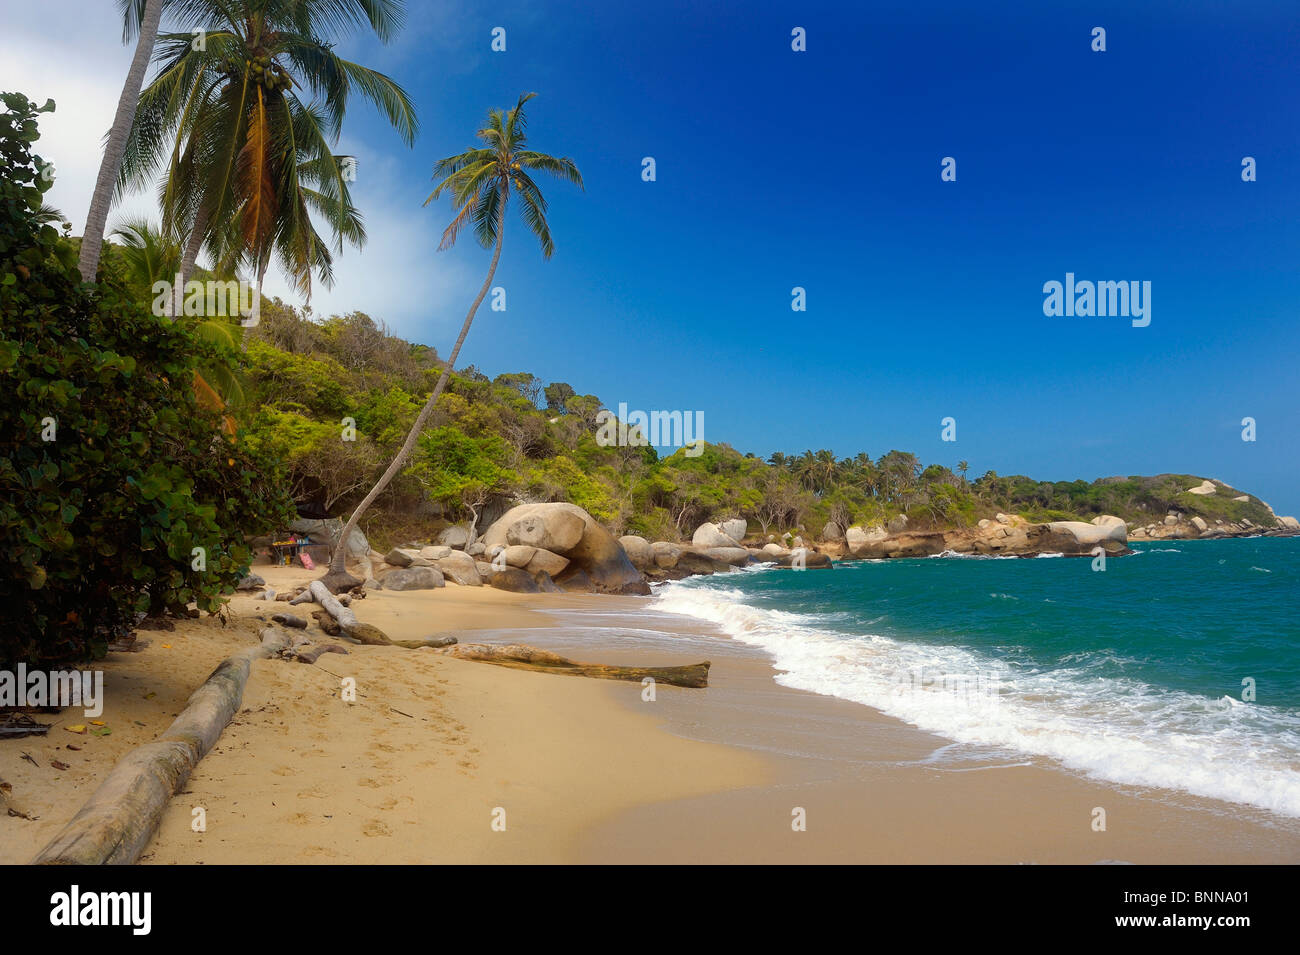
column 1176, row 667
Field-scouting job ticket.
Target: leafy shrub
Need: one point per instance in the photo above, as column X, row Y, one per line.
column 111, row 472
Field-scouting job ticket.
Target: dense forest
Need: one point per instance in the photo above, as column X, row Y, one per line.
column 494, row 441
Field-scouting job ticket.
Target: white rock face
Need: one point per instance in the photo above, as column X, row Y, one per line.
column 1205, row 487
column 736, row 528
column 1200, row 525
column 711, row 535
column 1244, row 497
column 1105, row 520
column 1290, row 522
column 1002, row 518
column 1088, row 534
column 1171, row 519
column 858, row 538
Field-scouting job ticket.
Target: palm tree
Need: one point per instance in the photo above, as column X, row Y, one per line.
column 142, row 16
column 48, row 215
column 480, row 181
column 963, row 467
column 148, row 256
column 241, row 147
column 826, row 469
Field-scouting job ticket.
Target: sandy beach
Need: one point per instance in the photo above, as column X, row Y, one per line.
column 442, row 760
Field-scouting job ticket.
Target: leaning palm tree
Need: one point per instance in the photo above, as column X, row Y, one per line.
column 142, row 16
column 480, row 181
column 240, row 142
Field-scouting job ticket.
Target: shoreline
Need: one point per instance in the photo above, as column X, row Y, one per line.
column 883, row 791
column 586, row 770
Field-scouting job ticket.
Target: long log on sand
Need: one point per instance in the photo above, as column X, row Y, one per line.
column 120, row 817
column 354, row 628
column 521, row 657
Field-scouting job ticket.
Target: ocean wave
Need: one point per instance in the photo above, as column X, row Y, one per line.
column 1112, row 728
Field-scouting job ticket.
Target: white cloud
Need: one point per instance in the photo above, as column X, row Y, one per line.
column 81, row 66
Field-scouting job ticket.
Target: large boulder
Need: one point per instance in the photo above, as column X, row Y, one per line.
column 1085, row 537
column 832, row 532
column 459, row 567
column 735, row 556
column 515, row 580
column 861, row 541
column 414, row 578
column 638, row 551
column 712, row 535
column 327, row 531
column 398, row 557
column 569, row 531
column 518, row 555
column 575, row 580
column 1290, row 523
column 1205, row 487
column 543, row 563
column 556, row 529
column 805, row 559
column 665, row 554
column 454, row 536
column 1106, row 520
column 736, row 528
column 435, row 552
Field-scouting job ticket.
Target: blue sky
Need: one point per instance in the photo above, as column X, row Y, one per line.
column 821, row 169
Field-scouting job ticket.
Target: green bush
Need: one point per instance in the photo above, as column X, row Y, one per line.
column 111, row 472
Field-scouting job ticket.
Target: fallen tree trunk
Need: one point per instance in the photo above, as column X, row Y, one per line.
column 521, row 657
column 350, row 626
column 120, row 817
column 311, row 654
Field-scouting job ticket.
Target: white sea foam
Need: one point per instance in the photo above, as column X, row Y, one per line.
column 1112, row 728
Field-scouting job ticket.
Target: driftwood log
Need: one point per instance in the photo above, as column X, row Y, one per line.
column 312, row 653
column 120, row 817
column 350, row 626
column 521, row 657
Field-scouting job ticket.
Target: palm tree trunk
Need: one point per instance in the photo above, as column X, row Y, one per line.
column 92, row 239
column 192, row 246
column 339, row 558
